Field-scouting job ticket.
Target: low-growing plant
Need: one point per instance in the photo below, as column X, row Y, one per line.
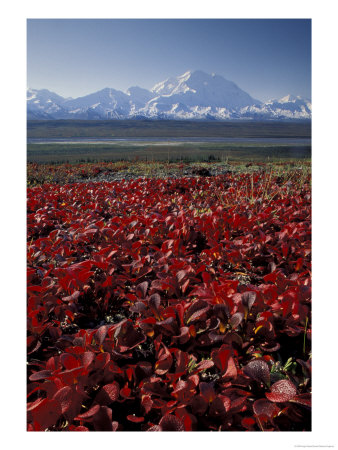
column 169, row 304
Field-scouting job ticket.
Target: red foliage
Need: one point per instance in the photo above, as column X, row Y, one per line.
column 169, row 305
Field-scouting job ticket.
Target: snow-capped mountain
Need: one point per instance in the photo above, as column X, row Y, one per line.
column 288, row 107
column 107, row 103
column 200, row 89
column 42, row 103
column 193, row 95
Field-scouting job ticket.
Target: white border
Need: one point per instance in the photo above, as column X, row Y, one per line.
column 13, row 84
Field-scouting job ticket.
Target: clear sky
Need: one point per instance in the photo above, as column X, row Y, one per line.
column 267, row 58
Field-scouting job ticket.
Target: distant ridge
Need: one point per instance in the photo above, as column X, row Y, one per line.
column 194, row 95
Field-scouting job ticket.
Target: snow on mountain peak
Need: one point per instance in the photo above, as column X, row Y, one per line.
column 192, row 95
column 164, row 87
column 289, row 98
column 185, row 76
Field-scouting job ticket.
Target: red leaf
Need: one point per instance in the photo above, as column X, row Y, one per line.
column 75, row 295
column 101, row 360
column 236, row 319
column 108, row 394
column 302, row 399
column 101, row 334
column 248, row 423
column 258, row 370
column 196, row 310
column 237, row 397
column 45, row 412
column 299, row 264
column 154, row 303
column 70, row 376
column 135, row 419
column 125, row 391
column 204, row 365
column 146, row 403
column 181, row 275
column 262, row 407
column 231, row 371
column 184, row 335
column 128, row 337
column 183, row 391
column 154, row 388
column 87, row 359
column 88, row 414
column 221, row 357
column 220, row 406
column 164, row 362
column 185, row 285
column 141, row 289
column 168, row 327
column 249, row 298
column 138, row 307
column 64, row 397
column 171, row 423
column 206, row 277
column 102, row 421
column 69, row 361
column 42, row 375
column 198, row 314
column 281, row 391
column 285, row 250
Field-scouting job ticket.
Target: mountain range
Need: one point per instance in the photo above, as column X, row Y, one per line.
column 193, row 95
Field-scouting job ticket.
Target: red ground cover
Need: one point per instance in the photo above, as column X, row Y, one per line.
column 170, row 304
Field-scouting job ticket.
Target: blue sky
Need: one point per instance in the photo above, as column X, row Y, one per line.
column 268, row 58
